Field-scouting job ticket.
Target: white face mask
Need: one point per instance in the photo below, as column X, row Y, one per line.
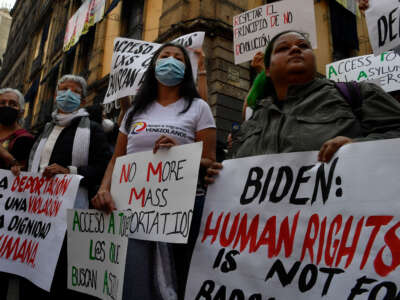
column 108, row 125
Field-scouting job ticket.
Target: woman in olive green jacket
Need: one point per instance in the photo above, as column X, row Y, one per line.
column 295, row 111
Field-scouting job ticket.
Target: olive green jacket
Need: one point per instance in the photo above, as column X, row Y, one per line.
column 314, row 113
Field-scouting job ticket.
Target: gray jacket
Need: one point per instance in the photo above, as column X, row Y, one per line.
column 314, row 113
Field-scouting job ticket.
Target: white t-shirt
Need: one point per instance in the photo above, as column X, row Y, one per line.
column 168, row 120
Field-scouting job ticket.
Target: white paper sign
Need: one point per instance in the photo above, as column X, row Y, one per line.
column 131, row 59
column 253, row 29
column 286, row 227
column 383, row 25
column 33, row 220
column 160, row 190
column 97, row 245
column 384, row 69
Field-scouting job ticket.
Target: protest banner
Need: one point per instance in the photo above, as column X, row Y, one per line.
column 283, row 226
column 384, row 69
column 159, row 189
column 350, row 5
column 383, row 25
column 131, row 59
column 88, row 14
column 253, row 29
column 33, row 220
column 97, row 245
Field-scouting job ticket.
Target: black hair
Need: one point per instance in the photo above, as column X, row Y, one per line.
column 148, row 91
column 270, row 47
column 95, row 112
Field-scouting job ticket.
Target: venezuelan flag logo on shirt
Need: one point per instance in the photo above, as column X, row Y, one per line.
column 138, row 127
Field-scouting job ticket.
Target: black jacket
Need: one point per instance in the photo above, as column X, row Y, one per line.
column 99, row 154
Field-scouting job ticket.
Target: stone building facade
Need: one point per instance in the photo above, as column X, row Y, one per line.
column 34, row 58
column 5, row 24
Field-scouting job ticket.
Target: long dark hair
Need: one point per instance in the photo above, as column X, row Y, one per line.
column 148, row 91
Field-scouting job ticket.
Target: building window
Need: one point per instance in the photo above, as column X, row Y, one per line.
column 132, row 16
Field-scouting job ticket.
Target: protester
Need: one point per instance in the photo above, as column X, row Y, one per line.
column 299, row 112
column 257, row 63
column 69, row 144
column 168, row 96
column 15, row 144
column 96, row 114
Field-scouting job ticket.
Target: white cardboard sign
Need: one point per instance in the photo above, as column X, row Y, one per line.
column 97, row 245
column 33, row 220
column 383, row 69
column 131, row 59
column 284, row 226
column 253, row 29
column 383, row 25
column 159, row 189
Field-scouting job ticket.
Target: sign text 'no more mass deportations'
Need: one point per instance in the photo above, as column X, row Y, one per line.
column 284, row 227
column 159, row 189
column 253, row 29
column 33, row 221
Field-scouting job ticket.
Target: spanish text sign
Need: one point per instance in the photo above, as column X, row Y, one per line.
column 33, row 220
column 384, row 68
column 97, row 245
column 131, row 59
column 160, row 190
column 253, row 29
column 285, row 227
column 383, row 25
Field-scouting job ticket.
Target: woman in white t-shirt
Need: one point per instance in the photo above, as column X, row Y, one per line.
column 167, row 111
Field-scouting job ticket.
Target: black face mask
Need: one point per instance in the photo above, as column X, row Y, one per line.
column 8, row 115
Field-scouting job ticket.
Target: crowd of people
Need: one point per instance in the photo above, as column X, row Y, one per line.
column 287, row 109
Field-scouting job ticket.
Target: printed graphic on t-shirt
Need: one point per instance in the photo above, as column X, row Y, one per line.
column 138, row 127
column 172, row 130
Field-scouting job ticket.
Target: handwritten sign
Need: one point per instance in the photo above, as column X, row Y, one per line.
column 160, row 190
column 253, row 29
column 88, row 14
column 131, row 59
column 285, row 227
column 383, row 25
column 97, row 245
column 33, row 220
column 384, row 69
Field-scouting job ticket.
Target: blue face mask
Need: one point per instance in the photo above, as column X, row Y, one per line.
column 170, row 71
column 68, row 101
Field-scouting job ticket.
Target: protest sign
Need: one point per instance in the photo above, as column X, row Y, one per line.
column 384, row 69
column 283, row 226
column 97, row 245
column 131, row 59
column 253, row 29
column 88, row 14
column 351, row 5
column 383, row 25
column 160, row 190
column 33, row 220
